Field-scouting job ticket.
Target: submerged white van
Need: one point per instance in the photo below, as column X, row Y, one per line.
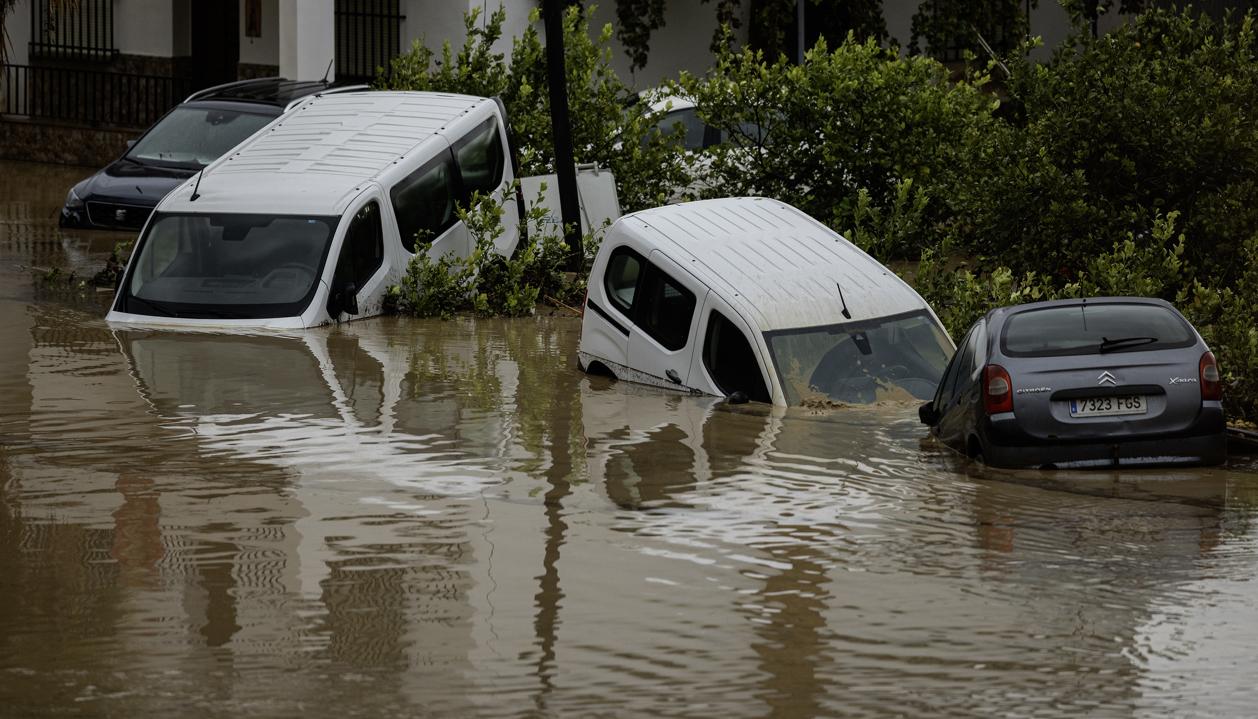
column 750, row 297
column 310, row 220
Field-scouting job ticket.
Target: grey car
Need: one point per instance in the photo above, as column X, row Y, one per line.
column 1074, row 383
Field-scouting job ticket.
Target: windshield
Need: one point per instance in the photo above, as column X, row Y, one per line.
column 891, row 358
column 1097, row 328
column 227, row 266
column 192, row 136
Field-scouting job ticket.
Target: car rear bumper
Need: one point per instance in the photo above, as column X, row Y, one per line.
column 1202, row 443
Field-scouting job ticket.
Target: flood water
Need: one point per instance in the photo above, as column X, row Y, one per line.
column 423, row 518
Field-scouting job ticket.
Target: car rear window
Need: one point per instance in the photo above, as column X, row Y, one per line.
column 1098, row 328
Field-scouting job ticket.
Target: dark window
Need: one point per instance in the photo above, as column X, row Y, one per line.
column 694, row 134
column 363, row 250
column 80, row 29
column 731, row 361
column 965, row 366
column 957, row 369
column 367, row 37
column 664, row 309
column 624, row 269
column 1094, row 328
column 424, row 201
column 481, row 159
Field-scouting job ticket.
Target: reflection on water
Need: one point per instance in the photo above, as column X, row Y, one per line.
column 397, row 517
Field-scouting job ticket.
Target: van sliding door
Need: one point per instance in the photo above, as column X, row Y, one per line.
column 424, row 205
column 666, row 313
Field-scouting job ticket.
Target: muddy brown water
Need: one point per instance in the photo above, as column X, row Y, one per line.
column 423, row 518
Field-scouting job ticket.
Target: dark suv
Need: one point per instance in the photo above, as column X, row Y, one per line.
column 189, row 137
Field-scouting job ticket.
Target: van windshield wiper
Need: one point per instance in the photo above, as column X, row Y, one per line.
column 156, row 307
column 1108, row 345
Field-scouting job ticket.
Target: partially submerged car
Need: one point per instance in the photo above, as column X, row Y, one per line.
column 1076, row 383
column 312, row 219
column 189, row 137
column 753, row 299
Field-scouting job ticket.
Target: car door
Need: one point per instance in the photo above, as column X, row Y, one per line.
column 359, row 277
column 727, row 358
column 424, row 207
column 953, row 414
column 665, row 318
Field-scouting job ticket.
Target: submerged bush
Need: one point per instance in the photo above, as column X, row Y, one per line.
column 486, row 282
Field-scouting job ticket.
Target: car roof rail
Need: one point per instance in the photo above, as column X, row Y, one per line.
column 329, row 91
column 238, row 83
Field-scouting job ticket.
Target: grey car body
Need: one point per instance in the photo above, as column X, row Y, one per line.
column 1093, row 382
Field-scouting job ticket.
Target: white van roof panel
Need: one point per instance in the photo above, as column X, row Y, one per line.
column 782, row 267
column 315, row 158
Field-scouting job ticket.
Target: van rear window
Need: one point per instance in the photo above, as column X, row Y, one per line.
column 1098, row 328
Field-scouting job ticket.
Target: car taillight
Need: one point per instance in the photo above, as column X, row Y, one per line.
column 997, row 390
column 1211, row 382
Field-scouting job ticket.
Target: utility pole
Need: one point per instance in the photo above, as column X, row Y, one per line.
column 561, row 132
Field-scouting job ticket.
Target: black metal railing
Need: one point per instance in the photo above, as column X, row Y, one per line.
column 368, row 35
column 88, row 96
column 81, row 29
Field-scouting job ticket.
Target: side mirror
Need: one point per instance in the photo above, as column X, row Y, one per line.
column 927, row 414
column 350, row 299
column 738, row 397
column 131, row 144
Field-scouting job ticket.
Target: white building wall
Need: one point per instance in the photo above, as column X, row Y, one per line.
column 263, row 50
column 143, row 27
column 306, row 38
column 1049, row 21
column 682, row 44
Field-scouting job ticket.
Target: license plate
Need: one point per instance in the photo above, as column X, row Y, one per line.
column 1108, row 406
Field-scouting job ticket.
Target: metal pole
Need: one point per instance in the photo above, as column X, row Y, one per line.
column 799, row 32
column 561, row 131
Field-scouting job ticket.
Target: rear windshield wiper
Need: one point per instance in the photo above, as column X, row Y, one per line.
column 1108, row 345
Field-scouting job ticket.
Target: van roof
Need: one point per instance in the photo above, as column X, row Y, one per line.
column 315, row 158
column 777, row 264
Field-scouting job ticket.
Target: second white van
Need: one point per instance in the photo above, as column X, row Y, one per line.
column 753, row 299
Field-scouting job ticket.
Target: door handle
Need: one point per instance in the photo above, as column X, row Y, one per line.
column 673, row 376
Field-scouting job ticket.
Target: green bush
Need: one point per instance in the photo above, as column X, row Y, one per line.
column 858, row 136
column 1152, row 118
column 487, row 283
column 608, row 127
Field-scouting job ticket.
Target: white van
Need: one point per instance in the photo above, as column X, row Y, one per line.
column 310, row 220
column 750, row 297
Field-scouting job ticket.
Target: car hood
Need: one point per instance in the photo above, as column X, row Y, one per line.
column 134, row 184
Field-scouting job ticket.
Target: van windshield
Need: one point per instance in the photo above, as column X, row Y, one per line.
column 227, row 266
column 901, row 357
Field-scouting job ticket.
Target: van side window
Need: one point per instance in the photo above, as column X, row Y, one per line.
column 424, row 201
column 362, row 252
column 664, row 309
column 481, row 159
column 624, row 269
column 730, row 360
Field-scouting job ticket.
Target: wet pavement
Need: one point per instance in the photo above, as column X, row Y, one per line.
column 402, row 518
